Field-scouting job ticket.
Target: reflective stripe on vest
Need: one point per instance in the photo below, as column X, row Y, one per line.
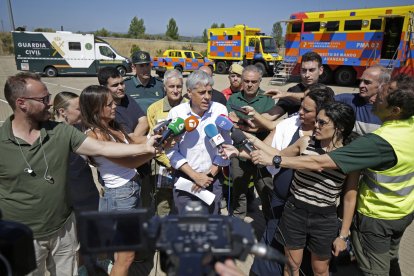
column 368, row 179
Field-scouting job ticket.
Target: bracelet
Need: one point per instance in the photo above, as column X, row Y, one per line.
column 345, row 239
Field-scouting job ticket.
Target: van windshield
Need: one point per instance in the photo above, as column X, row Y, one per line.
column 269, row 45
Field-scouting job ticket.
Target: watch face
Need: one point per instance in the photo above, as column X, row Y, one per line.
column 277, row 160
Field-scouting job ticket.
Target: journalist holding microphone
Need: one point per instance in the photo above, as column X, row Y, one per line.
column 195, row 156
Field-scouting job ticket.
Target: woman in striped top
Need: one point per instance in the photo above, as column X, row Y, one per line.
column 310, row 213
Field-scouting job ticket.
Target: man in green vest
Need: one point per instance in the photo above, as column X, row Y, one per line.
column 385, row 206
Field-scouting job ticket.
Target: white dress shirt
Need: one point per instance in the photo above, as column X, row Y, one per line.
column 283, row 136
column 194, row 147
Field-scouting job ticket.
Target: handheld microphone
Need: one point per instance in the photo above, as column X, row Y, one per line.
column 161, row 125
column 216, row 140
column 241, row 140
column 191, row 123
column 224, row 123
column 176, row 127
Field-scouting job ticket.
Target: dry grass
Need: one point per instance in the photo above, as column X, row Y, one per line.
column 123, row 45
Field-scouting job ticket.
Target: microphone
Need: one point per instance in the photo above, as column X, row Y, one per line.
column 224, row 123
column 161, row 125
column 216, row 140
column 191, row 123
column 176, row 127
column 240, row 139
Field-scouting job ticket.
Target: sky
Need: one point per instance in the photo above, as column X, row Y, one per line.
column 192, row 16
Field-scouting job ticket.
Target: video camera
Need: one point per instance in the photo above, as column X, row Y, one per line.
column 189, row 244
column 17, row 254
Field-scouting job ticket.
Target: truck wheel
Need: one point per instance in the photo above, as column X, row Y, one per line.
column 51, row 71
column 262, row 67
column 327, row 75
column 121, row 70
column 221, row 67
column 345, row 76
column 179, row 68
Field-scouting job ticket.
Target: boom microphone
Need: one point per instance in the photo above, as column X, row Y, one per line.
column 216, row 140
column 176, row 127
column 191, row 123
column 224, row 123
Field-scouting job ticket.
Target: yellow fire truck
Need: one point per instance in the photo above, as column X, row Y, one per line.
column 241, row 44
column 351, row 40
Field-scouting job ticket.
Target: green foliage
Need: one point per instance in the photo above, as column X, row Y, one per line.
column 189, row 47
column 136, row 28
column 205, row 37
column 277, row 33
column 46, row 30
column 159, row 52
column 172, row 29
column 6, row 43
column 102, row 32
column 134, row 48
column 204, row 53
column 215, row 25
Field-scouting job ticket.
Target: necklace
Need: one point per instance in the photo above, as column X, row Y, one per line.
column 29, row 169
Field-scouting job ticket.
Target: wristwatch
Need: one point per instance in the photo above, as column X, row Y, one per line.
column 345, row 239
column 276, row 161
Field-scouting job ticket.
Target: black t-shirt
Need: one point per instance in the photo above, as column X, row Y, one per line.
column 291, row 106
column 218, row 97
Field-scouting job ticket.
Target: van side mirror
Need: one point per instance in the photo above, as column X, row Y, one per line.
column 113, row 55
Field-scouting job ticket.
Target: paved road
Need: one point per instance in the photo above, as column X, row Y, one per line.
column 76, row 84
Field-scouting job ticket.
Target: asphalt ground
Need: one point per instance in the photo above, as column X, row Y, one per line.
column 77, row 83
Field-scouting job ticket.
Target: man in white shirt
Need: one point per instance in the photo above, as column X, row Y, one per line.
column 193, row 156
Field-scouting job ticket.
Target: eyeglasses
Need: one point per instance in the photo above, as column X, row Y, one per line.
column 321, row 122
column 44, row 100
column 252, row 81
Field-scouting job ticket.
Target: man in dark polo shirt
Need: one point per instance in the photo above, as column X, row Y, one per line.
column 289, row 102
column 143, row 88
column 243, row 171
column 128, row 113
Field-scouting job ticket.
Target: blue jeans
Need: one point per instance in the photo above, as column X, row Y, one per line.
column 123, row 198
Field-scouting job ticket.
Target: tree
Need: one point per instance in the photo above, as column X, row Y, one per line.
column 222, row 25
column 214, row 25
column 277, row 33
column 102, row 32
column 172, row 29
column 136, row 28
column 46, row 30
column 205, row 37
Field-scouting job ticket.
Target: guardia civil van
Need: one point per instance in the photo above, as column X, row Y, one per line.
column 63, row 53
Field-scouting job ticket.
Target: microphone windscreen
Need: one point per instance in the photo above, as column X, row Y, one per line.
column 177, row 126
column 211, row 130
column 224, row 123
column 238, row 136
column 191, row 123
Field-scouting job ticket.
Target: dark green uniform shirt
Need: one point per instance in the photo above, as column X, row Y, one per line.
column 144, row 95
column 28, row 198
column 260, row 103
column 368, row 151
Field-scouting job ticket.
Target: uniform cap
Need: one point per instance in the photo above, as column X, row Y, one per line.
column 236, row 68
column 140, row 57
